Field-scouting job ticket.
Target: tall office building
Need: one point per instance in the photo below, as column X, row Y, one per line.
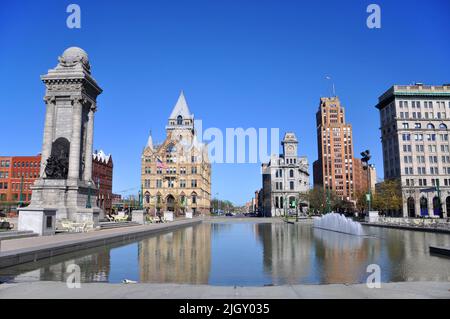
column 334, row 166
column 414, row 134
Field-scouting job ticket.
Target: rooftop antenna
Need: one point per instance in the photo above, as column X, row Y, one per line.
column 332, row 83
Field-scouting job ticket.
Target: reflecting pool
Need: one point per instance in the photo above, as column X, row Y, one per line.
column 251, row 254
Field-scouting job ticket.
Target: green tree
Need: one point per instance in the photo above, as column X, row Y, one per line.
column 317, row 198
column 388, row 196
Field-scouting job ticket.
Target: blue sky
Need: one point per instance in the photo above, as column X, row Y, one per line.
column 240, row 63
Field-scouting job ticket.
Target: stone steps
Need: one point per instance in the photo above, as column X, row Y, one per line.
column 17, row 234
column 111, row 225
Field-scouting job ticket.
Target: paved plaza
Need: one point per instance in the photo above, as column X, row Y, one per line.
column 403, row 290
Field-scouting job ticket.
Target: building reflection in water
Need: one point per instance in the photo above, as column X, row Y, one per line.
column 182, row 256
column 286, row 252
column 251, row 254
column 340, row 258
column 94, row 266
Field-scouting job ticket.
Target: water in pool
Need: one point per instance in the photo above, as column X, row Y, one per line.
column 251, row 254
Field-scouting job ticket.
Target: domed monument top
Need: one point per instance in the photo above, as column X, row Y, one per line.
column 74, row 55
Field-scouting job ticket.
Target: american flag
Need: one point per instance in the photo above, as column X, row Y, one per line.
column 159, row 163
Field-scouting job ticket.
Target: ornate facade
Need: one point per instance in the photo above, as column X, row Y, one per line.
column 285, row 177
column 176, row 175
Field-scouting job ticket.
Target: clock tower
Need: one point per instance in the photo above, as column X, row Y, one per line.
column 290, row 144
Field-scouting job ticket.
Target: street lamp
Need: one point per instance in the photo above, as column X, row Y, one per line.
column 365, row 157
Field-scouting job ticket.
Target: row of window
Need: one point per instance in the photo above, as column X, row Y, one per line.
column 426, row 104
column 183, row 199
column 171, row 170
column 408, row 159
column 426, row 115
column 15, row 197
column 421, row 170
column 170, row 183
column 430, row 126
column 171, row 158
column 423, row 182
column 26, row 164
column 421, row 137
column 279, row 185
column 4, row 163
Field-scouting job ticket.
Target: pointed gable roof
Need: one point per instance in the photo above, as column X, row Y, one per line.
column 150, row 141
column 181, row 108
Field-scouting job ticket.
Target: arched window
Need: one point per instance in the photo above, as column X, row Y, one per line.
column 423, row 206
column 437, row 207
column 411, row 207
column 179, row 120
column 147, row 197
column 442, row 126
column 171, row 148
column 291, row 173
column 447, row 203
column 194, row 198
column 430, row 126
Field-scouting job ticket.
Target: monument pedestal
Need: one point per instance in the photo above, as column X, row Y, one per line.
column 137, row 216
column 67, row 197
column 40, row 221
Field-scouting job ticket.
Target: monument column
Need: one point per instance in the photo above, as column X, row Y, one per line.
column 89, row 145
column 75, row 141
column 48, row 133
column 71, row 94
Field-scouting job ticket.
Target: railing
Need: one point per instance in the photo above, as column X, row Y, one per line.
column 436, row 223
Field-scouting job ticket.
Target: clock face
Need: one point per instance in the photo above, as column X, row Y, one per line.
column 290, row 149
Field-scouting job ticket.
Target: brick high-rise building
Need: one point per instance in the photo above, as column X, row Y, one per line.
column 334, row 168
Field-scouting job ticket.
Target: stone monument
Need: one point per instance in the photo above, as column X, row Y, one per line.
column 65, row 188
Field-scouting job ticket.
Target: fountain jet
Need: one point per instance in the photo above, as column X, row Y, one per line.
column 339, row 223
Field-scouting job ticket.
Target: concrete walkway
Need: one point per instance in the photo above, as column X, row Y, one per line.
column 17, row 251
column 58, row 290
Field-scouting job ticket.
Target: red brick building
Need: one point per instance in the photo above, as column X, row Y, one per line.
column 102, row 175
column 17, row 175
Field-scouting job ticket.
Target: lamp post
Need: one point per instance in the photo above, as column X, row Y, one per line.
column 365, row 157
column 21, row 192
column 141, row 198
column 217, row 203
column 88, row 202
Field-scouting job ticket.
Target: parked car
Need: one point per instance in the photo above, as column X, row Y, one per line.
column 228, row 214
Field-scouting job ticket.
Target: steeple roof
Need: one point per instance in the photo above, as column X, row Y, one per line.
column 181, row 108
column 150, row 141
